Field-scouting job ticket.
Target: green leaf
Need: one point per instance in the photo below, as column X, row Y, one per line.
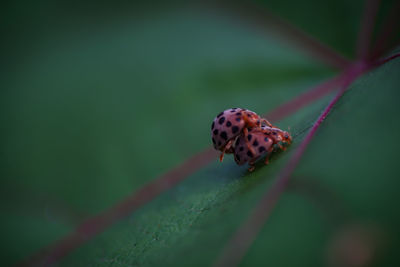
column 95, row 107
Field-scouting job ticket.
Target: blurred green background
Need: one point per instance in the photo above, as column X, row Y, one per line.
column 97, row 99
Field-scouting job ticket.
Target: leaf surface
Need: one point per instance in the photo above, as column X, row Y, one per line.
column 96, row 108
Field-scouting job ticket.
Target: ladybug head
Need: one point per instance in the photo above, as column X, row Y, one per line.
column 286, row 137
column 282, row 136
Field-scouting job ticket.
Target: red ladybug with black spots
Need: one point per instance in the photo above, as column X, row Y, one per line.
column 231, row 123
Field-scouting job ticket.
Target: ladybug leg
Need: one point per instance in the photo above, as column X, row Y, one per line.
column 226, row 148
column 267, row 159
column 268, row 155
column 281, row 147
column 221, row 157
column 249, row 146
column 252, row 163
column 266, row 122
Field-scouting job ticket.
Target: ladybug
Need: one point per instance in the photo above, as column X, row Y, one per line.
column 229, row 124
column 263, row 140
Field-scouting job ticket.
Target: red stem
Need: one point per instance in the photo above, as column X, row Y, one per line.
column 367, row 25
column 304, row 99
column 385, row 60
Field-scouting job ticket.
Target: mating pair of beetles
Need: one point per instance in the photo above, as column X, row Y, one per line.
column 246, row 135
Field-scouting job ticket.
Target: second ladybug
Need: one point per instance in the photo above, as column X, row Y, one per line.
column 263, row 141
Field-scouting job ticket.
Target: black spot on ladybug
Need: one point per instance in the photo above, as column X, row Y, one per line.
column 255, row 143
column 233, row 110
column 266, row 139
column 274, row 133
column 224, row 135
column 250, row 115
column 228, row 124
column 241, row 148
column 215, row 132
column 237, row 142
column 235, row 129
column 237, row 157
column 212, row 125
column 221, row 120
column 239, row 113
column 213, row 141
column 238, row 119
column 261, row 149
column 249, row 153
column 249, row 137
column 220, row 114
column 267, row 133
